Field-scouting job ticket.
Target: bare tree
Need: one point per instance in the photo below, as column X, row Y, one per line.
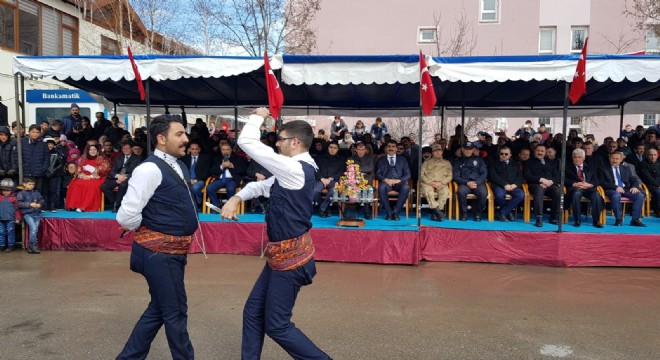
column 166, row 21
column 259, row 25
column 621, row 44
column 646, row 14
column 461, row 40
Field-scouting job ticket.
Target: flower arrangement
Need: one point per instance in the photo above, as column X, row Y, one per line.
column 352, row 181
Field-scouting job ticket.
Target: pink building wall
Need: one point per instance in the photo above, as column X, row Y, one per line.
column 391, row 27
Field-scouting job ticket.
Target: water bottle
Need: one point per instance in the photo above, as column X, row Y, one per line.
column 335, row 195
column 370, row 195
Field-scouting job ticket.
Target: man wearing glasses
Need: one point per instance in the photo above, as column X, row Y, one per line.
column 290, row 251
column 506, row 177
column 543, row 176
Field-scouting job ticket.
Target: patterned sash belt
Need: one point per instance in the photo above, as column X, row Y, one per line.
column 162, row 243
column 289, row 254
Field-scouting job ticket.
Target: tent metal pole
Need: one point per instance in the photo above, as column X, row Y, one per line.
column 418, row 201
column 235, row 108
column 562, row 161
column 114, row 109
column 148, row 102
column 18, row 96
column 461, row 136
column 442, row 122
column 621, row 117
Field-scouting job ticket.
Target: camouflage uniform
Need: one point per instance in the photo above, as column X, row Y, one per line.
column 435, row 169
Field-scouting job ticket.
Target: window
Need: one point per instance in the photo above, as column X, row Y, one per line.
column 547, row 36
column 649, row 120
column 502, row 124
column 652, row 42
column 578, row 35
column 28, row 27
column 545, row 121
column 109, row 46
column 427, row 35
column 7, row 26
column 576, row 121
column 489, row 10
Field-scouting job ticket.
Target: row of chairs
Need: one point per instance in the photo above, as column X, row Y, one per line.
column 452, row 204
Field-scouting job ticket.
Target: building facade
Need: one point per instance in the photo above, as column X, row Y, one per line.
column 486, row 28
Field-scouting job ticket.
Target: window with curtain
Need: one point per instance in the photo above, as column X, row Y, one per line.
column 489, row 10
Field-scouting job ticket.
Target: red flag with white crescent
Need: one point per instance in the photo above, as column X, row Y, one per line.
column 138, row 78
column 579, row 84
column 275, row 95
column 427, row 93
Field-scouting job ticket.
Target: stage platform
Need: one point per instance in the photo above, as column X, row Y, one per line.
column 392, row 242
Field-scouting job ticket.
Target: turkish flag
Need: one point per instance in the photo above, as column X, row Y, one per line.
column 427, row 93
column 275, row 95
column 138, row 78
column 579, row 84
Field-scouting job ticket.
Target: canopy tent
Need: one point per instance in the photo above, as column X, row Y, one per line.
column 500, row 86
column 504, row 86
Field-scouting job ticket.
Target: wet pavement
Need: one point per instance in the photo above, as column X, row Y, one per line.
column 72, row 305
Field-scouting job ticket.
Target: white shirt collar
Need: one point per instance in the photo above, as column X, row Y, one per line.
column 305, row 157
column 168, row 158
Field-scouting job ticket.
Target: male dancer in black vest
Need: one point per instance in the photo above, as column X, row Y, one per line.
column 290, row 252
column 158, row 206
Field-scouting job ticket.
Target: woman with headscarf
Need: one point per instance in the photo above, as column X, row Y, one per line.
column 84, row 193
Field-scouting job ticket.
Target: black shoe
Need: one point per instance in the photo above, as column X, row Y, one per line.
column 502, row 218
column 395, row 217
column 437, row 215
column 577, row 223
column 477, row 218
column 388, row 216
column 637, row 222
column 597, row 224
column 512, row 217
column 323, row 213
column 618, row 223
column 33, row 250
column 539, row 222
column 442, row 215
column 368, row 216
column 434, row 216
column 8, row 250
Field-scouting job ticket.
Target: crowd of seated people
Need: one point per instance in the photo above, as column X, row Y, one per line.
column 74, row 169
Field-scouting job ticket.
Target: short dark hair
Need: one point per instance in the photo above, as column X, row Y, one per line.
column 127, row 142
column 34, row 126
column 29, row 180
column 333, row 142
column 160, row 125
column 300, row 130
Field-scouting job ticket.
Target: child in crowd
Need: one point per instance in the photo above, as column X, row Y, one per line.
column 30, row 203
column 9, row 215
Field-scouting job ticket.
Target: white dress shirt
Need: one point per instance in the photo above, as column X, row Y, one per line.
column 287, row 170
column 141, row 187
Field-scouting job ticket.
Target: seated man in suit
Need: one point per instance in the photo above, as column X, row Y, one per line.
column 393, row 173
column 331, row 167
column 618, row 182
column 229, row 169
column 506, row 177
column 581, row 181
column 650, row 174
column 470, row 173
column 199, row 165
column 121, row 171
column 257, row 172
column 542, row 176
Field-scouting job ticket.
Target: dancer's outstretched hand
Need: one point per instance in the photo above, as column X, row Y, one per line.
column 230, row 209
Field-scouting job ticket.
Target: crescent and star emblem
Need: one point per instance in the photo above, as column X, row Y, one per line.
column 270, row 72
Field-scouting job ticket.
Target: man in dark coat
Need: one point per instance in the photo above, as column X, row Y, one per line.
column 618, row 182
column 506, row 177
column 393, row 173
column 543, row 178
column 582, row 181
column 8, row 154
column 68, row 122
column 199, row 166
column 36, row 157
column 470, row 172
column 229, row 170
column 331, row 168
column 650, row 174
column 121, row 171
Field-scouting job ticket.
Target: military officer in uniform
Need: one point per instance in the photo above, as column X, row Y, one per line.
column 436, row 175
